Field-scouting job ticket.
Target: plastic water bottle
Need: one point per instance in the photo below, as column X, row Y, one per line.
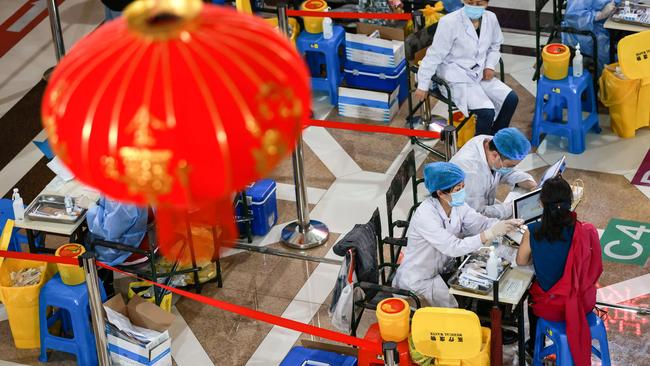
column 577, row 63
column 328, row 30
column 492, row 266
column 18, row 206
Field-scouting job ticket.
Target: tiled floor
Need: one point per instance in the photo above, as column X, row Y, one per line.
column 347, row 174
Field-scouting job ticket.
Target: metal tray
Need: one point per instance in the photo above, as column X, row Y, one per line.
column 51, row 208
column 480, row 254
column 638, row 9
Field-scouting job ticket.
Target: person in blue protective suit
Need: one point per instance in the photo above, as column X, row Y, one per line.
column 589, row 15
column 443, row 227
column 465, row 52
column 117, row 222
column 489, row 161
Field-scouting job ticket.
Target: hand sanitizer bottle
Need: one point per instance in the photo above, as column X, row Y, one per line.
column 328, row 30
column 492, row 266
column 18, row 206
column 577, row 63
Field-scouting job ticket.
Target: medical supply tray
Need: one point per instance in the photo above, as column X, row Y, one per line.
column 51, row 208
column 481, row 255
column 639, row 15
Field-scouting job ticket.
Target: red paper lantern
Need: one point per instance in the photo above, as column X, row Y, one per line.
column 176, row 103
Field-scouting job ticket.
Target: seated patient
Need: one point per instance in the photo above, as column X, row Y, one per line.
column 117, row 222
column 566, row 255
column 465, row 52
column 442, row 228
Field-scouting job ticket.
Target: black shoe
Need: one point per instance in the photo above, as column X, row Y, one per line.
column 508, row 336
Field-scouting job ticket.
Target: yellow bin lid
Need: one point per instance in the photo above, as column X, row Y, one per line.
column 314, row 5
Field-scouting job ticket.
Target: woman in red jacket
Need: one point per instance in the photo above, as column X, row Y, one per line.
column 566, row 255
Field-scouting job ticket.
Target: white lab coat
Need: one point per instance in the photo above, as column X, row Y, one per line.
column 433, row 241
column 481, row 182
column 458, row 56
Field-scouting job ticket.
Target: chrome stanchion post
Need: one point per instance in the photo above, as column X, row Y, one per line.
column 449, row 136
column 303, row 233
column 391, row 356
column 55, row 25
column 96, row 313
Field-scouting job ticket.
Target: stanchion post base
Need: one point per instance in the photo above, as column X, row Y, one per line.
column 316, row 235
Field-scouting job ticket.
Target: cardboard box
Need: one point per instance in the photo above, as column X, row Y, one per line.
column 368, row 104
column 145, row 315
column 386, row 51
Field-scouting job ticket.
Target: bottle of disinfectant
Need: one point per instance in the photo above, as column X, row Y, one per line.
column 328, row 30
column 19, row 207
column 577, row 63
column 492, row 265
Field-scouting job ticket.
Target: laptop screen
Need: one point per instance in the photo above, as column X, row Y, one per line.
column 529, row 208
column 553, row 170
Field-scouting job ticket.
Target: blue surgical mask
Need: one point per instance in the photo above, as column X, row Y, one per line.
column 457, row 198
column 474, row 12
column 504, row 170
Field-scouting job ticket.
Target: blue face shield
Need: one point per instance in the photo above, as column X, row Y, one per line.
column 474, row 12
column 457, row 198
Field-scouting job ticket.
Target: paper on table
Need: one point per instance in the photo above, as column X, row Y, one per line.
column 124, row 324
column 57, row 166
column 510, row 289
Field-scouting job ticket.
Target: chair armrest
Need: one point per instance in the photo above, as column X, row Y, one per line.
column 401, row 224
column 390, row 290
column 118, row 246
column 401, row 242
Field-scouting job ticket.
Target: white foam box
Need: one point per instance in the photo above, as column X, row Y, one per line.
column 156, row 353
column 368, row 104
column 386, row 51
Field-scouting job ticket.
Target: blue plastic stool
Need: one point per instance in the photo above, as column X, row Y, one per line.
column 74, row 313
column 556, row 332
column 330, row 53
column 576, row 95
column 7, row 213
column 299, row 356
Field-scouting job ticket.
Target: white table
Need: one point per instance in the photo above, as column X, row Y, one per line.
column 616, row 28
column 58, row 187
column 513, row 287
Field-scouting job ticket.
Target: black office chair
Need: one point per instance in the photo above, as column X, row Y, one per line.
column 374, row 292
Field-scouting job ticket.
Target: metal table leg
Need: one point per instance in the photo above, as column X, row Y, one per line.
column 522, row 337
column 31, row 241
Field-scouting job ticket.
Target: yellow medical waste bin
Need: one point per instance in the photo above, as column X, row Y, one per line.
column 313, row 24
column 71, row 275
column 145, row 291
column 393, row 317
column 556, row 61
column 21, row 303
column 628, row 101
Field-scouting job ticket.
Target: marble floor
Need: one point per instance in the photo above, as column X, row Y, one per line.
column 347, row 175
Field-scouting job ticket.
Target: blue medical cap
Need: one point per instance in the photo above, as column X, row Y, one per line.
column 511, row 143
column 441, row 176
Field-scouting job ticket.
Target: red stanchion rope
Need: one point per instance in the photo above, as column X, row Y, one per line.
column 360, row 127
column 348, row 15
column 241, row 310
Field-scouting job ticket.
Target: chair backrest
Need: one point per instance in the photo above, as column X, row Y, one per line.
column 405, row 173
column 446, row 333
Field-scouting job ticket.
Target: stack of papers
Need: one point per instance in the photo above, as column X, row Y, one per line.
column 121, row 327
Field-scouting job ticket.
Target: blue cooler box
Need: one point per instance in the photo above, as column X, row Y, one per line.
column 384, row 79
column 301, row 356
column 262, row 203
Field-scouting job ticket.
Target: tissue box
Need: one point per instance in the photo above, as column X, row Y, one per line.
column 145, row 315
column 368, row 104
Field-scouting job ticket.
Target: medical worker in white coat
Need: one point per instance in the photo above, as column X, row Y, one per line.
column 442, row 228
column 489, row 161
column 465, row 53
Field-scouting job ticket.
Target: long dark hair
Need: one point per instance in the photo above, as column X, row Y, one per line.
column 556, row 197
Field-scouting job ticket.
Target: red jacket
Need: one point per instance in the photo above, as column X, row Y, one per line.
column 574, row 295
